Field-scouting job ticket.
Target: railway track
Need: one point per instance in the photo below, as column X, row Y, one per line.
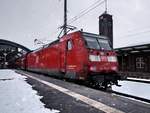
column 124, row 95
column 108, row 91
column 131, row 96
column 136, row 80
column 118, row 93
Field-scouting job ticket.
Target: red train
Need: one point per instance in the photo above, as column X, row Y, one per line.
column 79, row 56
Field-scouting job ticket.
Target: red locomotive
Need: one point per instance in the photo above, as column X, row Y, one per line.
column 79, row 56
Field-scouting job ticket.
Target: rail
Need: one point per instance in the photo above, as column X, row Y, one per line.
column 137, row 80
column 131, row 96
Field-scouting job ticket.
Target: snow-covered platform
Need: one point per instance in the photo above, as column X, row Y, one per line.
column 17, row 96
column 70, row 98
column 138, row 89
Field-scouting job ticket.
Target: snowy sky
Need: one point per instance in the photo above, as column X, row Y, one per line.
column 22, row 21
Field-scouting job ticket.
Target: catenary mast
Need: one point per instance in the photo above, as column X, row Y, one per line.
column 65, row 17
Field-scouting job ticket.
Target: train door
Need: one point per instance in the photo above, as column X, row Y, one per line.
column 71, row 64
column 63, row 57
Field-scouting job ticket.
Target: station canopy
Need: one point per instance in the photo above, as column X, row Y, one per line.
column 9, row 52
column 143, row 48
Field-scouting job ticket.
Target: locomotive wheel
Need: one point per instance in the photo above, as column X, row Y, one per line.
column 107, row 85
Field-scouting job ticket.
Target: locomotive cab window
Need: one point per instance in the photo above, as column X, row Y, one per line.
column 69, row 45
column 96, row 42
column 92, row 43
column 104, row 44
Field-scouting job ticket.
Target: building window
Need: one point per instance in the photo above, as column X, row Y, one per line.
column 69, row 45
column 140, row 63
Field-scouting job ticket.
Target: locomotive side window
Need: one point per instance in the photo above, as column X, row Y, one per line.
column 69, row 45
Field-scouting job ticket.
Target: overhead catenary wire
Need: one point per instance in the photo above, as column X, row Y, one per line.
column 84, row 12
column 87, row 10
column 81, row 14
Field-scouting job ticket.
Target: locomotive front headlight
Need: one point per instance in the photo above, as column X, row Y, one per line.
column 93, row 68
column 112, row 59
column 94, row 58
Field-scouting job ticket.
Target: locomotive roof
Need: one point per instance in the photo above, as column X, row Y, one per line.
column 46, row 45
column 84, row 34
column 94, row 35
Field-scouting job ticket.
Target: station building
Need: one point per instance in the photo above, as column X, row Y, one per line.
column 134, row 61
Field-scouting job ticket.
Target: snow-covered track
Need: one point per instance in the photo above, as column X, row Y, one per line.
column 131, row 96
column 138, row 80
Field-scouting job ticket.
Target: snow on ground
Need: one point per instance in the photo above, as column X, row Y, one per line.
column 17, row 96
column 134, row 88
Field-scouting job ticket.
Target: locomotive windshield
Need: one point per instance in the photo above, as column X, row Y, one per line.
column 95, row 42
column 92, row 43
column 104, row 44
